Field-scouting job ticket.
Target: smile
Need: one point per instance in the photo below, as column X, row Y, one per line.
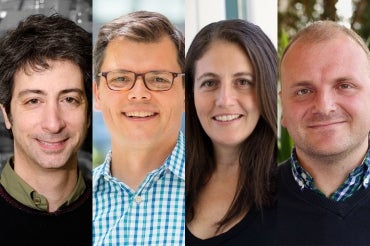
column 51, row 143
column 52, row 146
column 229, row 117
column 139, row 114
column 324, row 124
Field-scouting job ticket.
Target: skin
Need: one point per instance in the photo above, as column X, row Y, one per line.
column 140, row 137
column 227, row 107
column 49, row 123
column 325, row 99
column 224, row 94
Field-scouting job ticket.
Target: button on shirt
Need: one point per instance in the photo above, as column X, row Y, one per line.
column 357, row 179
column 154, row 214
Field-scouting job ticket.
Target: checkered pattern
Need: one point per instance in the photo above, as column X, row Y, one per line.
column 357, row 179
column 152, row 215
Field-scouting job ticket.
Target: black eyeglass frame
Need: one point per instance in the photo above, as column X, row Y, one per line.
column 142, row 75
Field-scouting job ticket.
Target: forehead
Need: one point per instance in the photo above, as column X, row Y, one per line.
column 338, row 56
column 60, row 75
column 220, row 51
column 341, row 45
column 122, row 53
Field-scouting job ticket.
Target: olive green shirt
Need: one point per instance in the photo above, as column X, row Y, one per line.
column 25, row 194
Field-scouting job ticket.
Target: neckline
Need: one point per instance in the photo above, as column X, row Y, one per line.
column 341, row 208
column 190, row 237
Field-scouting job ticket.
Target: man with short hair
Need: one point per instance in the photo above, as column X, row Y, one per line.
column 324, row 195
column 45, row 91
column 139, row 190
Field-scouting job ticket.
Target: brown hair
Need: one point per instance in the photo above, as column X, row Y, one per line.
column 257, row 159
column 140, row 26
column 38, row 39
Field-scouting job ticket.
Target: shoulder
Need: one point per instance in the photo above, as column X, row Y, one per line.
column 284, row 166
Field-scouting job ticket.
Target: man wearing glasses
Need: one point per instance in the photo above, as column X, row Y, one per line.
column 139, row 190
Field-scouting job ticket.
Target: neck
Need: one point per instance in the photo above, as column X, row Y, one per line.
column 54, row 184
column 226, row 157
column 330, row 172
column 132, row 165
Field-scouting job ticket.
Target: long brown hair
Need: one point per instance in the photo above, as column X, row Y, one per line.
column 257, row 158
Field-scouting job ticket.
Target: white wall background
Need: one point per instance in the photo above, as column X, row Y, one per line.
column 199, row 13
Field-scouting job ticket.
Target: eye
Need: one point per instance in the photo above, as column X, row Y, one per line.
column 208, row 84
column 345, row 86
column 159, row 79
column 120, row 79
column 243, row 83
column 72, row 100
column 33, row 101
column 302, row 92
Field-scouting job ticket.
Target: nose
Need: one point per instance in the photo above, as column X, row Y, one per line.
column 53, row 121
column 324, row 102
column 139, row 90
column 225, row 95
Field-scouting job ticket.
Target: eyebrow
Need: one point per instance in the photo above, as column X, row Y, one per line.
column 309, row 83
column 207, row 75
column 215, row 75
column 244, row 74
column 301, row 83
column 41, row 92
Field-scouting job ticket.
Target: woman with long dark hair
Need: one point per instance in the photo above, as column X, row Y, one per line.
column 231, row 109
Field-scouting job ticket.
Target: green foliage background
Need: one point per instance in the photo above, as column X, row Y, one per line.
column 296, row 14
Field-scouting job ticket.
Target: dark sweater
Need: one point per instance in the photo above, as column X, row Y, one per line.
column 307, row 218
column 21, row 225
column 254, row 229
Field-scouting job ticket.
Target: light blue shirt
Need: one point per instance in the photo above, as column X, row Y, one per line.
column 154, row 214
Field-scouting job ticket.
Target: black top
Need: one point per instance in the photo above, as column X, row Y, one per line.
column 255, row 228
column 307, row 218
column 21, row 225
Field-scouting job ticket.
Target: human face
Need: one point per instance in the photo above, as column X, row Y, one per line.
column 48, row 115
column 138, row 117
column 224, row 94
column 326, row 96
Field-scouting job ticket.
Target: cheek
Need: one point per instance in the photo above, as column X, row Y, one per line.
column 201, row 104
column 250, row 103
column 294, row 114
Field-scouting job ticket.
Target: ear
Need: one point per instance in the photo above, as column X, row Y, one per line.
column 7, row 122
column 96, row 96
column 283, row 122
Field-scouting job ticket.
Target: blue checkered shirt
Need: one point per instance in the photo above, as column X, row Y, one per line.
column 154, row 214
column 357, row 179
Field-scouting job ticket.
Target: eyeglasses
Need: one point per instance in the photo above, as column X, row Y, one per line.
column 122, row 80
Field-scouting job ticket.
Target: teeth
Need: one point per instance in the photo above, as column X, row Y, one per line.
column 139, row 114
column 50, row 143
column 227, row 117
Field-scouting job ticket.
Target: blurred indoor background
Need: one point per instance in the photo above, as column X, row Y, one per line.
column 13, row 11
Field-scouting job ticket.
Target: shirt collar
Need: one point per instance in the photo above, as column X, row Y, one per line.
column 305, row 180
column 25, row 194
column 175, row 162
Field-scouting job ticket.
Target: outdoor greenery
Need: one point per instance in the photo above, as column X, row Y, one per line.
column 296, row 14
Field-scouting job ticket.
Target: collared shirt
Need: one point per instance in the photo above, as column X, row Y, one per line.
column 154, row 214
column 357, row 179
column 25, row 194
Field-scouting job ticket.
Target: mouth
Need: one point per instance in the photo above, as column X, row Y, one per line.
column 227, row 117
column 139, row 114
column 54, row 145
column 325, row 124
